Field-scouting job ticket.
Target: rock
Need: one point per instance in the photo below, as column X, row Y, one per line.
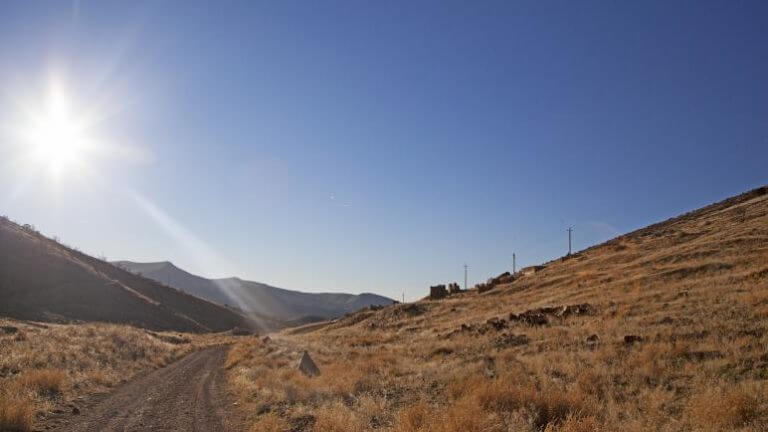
column 593, row 341
column 442, row 351
column 302, row 422
column 307, row 366
column 8, row 329
column 511, row 340
column 577, row 309
column 75, row 410
column 631, row 339
column 527, row 271
column 539, row 316
column 263, row 408
column 266, row 340
column 483, row 287
column 5, row 371
column 532, row 318
column 497, row 323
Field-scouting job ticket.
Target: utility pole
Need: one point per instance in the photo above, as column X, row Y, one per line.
column 465, row 277
column 514, row 269
column 570, row 230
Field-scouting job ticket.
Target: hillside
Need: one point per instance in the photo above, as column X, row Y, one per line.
column 40, row 279
column 257, row 298
column 660, row 329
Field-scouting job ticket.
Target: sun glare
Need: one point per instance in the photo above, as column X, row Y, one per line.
column 54, row 136
column 57, row 140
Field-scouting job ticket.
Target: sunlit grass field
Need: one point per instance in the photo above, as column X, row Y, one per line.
column 675, row 340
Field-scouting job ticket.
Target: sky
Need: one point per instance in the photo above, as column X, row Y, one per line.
column 364, row 146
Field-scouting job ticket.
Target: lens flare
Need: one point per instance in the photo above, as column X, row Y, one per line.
column 56, row 137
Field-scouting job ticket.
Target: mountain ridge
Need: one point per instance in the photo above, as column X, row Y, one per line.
column 255, row 297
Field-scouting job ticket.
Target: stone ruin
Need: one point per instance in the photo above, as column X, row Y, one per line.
column 501, row 279
column 483, row 287
column 438, row 292
column 442, row 291
column 453, row 288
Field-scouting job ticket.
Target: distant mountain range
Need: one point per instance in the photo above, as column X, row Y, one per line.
column 43, row 280
column 257, row 299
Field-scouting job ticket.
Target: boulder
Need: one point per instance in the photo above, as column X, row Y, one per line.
column 307, row 366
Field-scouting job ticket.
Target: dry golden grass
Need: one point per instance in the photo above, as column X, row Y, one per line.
column 43, row 366
column 694, row 288
column 16, row 415
column 46, row 382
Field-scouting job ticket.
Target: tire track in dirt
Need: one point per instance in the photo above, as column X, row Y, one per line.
column 188, row 395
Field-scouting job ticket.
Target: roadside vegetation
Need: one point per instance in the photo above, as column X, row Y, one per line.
column 666, row 331
column 46, row 368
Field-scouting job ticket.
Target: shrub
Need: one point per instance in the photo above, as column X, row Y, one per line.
column 413, row 418
column 337, row 418
column 728, row 408
column 46, row 382
column 16, row 414
column 270, row 423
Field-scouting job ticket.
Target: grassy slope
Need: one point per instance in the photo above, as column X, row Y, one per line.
column 695, row 288
column 41, row 279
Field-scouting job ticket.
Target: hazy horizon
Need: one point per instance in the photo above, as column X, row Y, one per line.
column 349, row 147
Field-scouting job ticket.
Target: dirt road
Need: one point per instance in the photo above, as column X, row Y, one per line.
column 188, row 395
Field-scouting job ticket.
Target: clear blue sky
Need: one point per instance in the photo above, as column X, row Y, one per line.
column 377, row 146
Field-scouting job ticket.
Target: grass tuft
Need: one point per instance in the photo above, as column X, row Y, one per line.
column 16, row 414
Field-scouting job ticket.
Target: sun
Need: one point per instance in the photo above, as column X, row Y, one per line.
column 55, row 136
column 57, row 141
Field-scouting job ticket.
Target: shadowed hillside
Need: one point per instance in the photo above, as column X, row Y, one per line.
column 41, row 279
column 660, row 329
column 257, row 298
